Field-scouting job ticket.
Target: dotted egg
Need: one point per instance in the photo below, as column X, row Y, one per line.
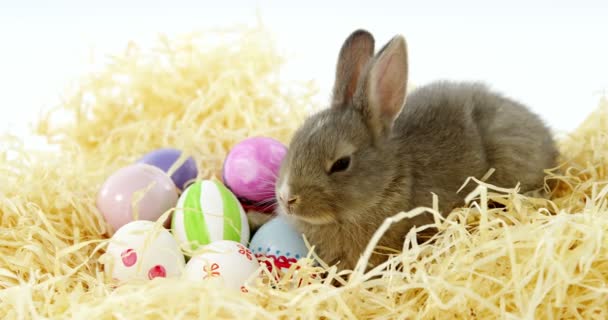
column 142, row 250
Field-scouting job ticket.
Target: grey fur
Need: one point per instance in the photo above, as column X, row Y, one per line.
column 445, row 133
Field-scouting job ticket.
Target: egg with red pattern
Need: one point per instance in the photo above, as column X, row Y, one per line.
column 228, row 261
column 142, row 249
column 279, row 243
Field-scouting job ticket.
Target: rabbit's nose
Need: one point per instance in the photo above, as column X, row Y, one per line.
column 292, row 201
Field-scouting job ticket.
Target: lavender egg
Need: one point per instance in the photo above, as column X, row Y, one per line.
column 250, row 171
column 165, row 158
column 115, row 199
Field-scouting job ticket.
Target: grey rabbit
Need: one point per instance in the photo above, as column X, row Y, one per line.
column 373, row 153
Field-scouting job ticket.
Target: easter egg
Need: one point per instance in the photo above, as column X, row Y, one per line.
column 278, row 241
column 224, row 260
column 164, row 160
column 138, row 188
column 250, row 170
column 207, row 211
column 142, row 250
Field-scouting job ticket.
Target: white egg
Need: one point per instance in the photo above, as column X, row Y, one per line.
column 142, row 250
column 224, row 260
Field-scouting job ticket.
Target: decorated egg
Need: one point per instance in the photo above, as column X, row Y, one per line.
column 207, row 211
column 279, row 242
column 250, row 170
column 142, row 250
column 224, row 260
column 136, row 192
column 165, row 158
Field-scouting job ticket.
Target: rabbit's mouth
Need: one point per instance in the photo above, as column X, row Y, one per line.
column 310, row 217
column 315, row 219
column 299, row 205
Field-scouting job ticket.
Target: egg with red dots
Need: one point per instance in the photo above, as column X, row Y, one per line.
column 143, row 250
column 229, row 262
column 279, row 243
column 250, row 171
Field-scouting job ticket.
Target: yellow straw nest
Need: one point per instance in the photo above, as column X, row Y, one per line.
column 533, row 259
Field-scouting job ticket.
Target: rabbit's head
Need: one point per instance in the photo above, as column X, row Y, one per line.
column 341, row 161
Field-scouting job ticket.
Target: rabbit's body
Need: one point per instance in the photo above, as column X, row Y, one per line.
column 371, row 156
column 450, row 131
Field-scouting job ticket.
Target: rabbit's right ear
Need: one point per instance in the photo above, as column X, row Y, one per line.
column 386, row 86
column 356, row 52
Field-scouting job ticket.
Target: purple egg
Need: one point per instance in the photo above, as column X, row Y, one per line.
column 251, row 169
column 165, row 158
column 115, row 197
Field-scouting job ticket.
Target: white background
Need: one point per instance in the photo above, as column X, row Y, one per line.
column 552, row 55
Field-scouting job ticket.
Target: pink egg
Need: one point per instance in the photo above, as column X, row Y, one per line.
column 251, row 169
column 114, row 200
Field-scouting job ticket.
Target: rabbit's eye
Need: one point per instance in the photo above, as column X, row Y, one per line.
column 340, row 165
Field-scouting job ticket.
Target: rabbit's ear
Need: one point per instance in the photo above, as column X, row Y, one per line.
column 356, row 51
column 385, row 87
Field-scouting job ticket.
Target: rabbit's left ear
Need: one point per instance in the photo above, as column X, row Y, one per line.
column 357, row 50
column 385, row 87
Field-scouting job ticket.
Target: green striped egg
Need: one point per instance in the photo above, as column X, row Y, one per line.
column 206, row 212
